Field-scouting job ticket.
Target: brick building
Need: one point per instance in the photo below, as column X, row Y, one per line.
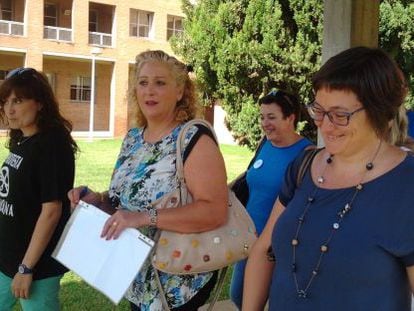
column 85, row 48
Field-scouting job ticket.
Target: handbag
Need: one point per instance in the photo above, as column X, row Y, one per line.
column 239, row 185
column 191, row 253
column 240, row 188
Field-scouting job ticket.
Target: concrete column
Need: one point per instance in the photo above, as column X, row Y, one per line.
column 34, row 24
column 365, row 23
column 119, row 103
column 348, row 23
column 336, row 27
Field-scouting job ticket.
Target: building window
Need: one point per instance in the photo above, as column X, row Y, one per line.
column 3, row 74
column 140, row 23
column 6, row 10
column 80, row 89
column 174, row 26
column 93, row 21
column 51, row 77
column 50, row 15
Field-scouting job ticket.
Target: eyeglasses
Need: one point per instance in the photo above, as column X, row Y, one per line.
column 19, row 72
column 340, row 118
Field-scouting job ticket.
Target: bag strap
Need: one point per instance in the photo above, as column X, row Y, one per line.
column 180, row 178
column 164, row 302
column 256, row 152
column 181, row 139
column 180, row 145
column 219, row 287
column 305, row 164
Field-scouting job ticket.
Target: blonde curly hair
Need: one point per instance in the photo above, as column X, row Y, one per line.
column 187, row 108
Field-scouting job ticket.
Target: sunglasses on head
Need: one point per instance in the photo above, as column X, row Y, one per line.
column 273, row 92
column 19, row 72
column 276, row 92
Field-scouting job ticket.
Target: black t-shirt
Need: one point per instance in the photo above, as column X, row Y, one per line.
column 40, row 170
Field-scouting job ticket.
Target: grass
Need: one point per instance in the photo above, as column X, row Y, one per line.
column 94, row 167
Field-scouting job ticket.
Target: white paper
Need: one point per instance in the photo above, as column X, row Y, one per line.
column 109, row 266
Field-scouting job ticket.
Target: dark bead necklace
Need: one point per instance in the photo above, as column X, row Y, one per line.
column 324, row 248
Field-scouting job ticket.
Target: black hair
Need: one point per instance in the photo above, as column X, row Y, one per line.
column 28, row 83
column 372, row 76
column 288, row 103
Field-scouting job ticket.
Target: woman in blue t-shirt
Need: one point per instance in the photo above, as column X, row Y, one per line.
column 343, row 235
column 279, row 115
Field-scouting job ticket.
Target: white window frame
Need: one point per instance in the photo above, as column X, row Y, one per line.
column 139, row 23
column 6, row 9
column 55, row 18
column 82, row 86
column 174, row 31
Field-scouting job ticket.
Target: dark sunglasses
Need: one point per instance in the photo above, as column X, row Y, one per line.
column 20, row 72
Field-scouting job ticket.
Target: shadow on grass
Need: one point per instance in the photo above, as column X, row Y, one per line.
column 77, row 295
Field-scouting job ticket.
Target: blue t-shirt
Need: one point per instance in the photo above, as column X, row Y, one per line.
column 265, row 178
column 365, row 266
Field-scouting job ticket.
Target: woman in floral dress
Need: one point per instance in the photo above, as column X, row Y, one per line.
column 145, row 171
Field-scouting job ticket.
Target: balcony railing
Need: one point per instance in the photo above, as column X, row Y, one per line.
column 57, row 33
column 99, row 38
column 11, row 28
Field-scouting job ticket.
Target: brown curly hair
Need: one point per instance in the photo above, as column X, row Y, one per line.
column 187, row 108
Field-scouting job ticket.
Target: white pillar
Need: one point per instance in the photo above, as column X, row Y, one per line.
column 94, row 51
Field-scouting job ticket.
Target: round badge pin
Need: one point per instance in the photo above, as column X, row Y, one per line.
column 258, row 163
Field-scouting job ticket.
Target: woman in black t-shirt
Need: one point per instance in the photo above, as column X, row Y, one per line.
column 34, row 180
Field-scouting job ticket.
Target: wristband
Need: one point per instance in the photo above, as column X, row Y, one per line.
column 153, row 216
column 83, row 192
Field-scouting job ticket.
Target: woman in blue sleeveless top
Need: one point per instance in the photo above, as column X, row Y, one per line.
column 279, row 115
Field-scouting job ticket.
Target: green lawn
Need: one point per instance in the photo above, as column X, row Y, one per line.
column 94, row 168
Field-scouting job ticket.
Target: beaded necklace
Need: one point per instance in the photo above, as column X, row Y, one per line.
column 303, row 292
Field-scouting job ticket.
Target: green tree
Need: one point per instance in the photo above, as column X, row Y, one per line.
column 396, row 34
column 241, row 49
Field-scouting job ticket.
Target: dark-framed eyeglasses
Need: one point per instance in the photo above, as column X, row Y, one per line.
column 340, row 118
column 19, row 72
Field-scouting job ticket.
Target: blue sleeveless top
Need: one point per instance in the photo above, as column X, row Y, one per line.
column 265, row 178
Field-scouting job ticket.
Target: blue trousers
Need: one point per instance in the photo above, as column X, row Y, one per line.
column 236, row 286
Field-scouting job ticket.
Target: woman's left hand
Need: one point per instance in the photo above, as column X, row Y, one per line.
column 119, row 221
column 21, row 285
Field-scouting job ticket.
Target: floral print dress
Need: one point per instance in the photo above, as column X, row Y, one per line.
column 143, row 173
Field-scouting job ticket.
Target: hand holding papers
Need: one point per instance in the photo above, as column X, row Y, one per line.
column 108, row 265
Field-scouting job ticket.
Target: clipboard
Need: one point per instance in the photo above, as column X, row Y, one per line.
column 108, row 266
